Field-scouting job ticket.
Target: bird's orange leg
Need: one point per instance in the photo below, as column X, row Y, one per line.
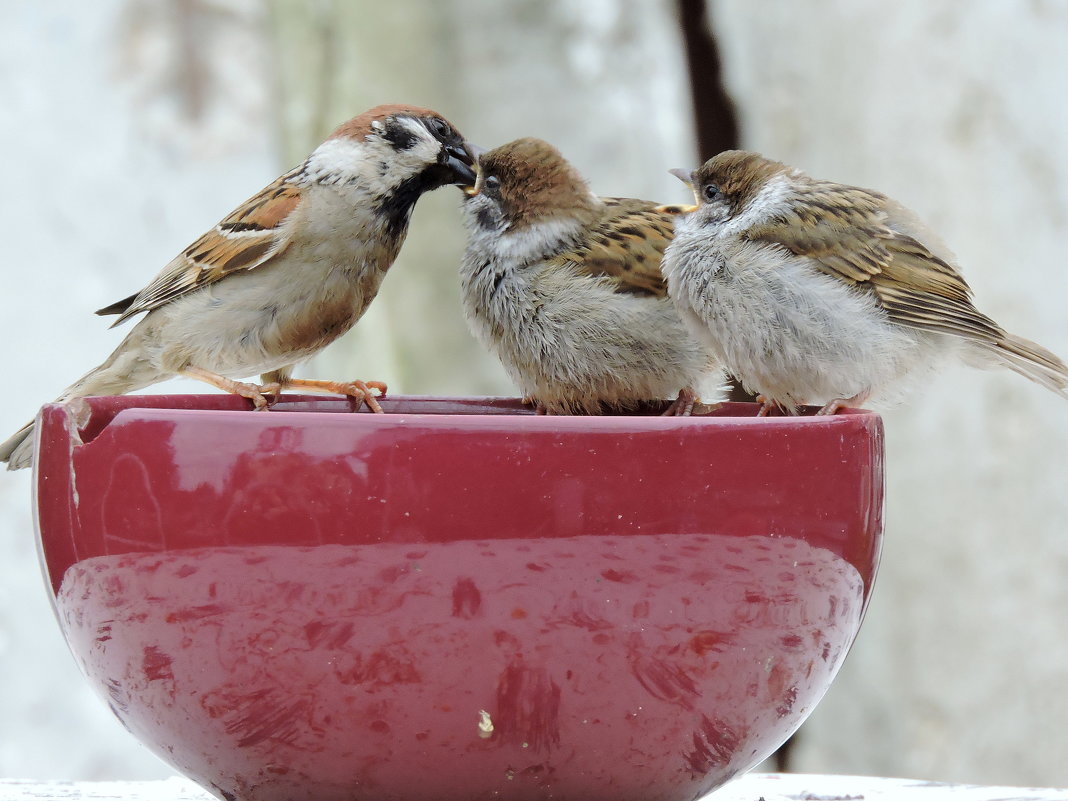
column 857, row 400
column 359, row 390
column 767, row 406
column 683, row 405
column 254, row 392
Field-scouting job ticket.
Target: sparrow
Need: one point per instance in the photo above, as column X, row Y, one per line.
column 564, row 287
column 286, row 273
column 814, row 292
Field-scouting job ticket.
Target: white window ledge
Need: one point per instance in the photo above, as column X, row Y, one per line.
column 753, row 787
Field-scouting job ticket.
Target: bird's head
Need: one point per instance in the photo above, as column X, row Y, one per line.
column 393, row 154
column 733, row 185
column 525, row 183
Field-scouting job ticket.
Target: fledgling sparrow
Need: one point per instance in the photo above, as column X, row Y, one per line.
column 565, row 287
column 816, row 292
column 286, row 273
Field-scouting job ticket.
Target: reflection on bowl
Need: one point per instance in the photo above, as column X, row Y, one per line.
column 456, row 600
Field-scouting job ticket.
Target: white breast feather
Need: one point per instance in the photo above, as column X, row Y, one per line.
column 782, row 327
column 567, row 339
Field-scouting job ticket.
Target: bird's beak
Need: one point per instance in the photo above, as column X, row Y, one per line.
column 475, row 152
column 686, row 176
column 683, row 175
column 460, row 161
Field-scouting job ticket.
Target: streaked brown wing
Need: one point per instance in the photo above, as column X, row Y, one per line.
column 249, row 236
column 626, row 245
column 843, row 230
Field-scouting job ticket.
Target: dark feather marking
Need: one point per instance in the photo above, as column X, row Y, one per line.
column 237, row 227
column 397, row 207
column 485, row 218
column 497, row 279
column 399, row 136
column 118, row 307
column 246, row 256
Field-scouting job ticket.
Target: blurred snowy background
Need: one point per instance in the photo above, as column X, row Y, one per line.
column 129, row 126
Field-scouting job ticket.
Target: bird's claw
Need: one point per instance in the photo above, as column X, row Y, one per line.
column 683, row 405
column 767, row 406
column 254, row 392
column 362, row 392
column 832, row 406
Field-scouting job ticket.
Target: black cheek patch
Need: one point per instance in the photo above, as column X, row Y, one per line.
column 400, row 137
column 485, row 218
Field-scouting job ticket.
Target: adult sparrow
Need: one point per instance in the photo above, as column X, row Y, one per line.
column 286, row 273
column 565, row 287
column 816, row 292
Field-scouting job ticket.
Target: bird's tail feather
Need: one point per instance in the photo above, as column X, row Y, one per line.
column 1034, row 362
column 102, row 380
column 17, row 450
column 123, row 372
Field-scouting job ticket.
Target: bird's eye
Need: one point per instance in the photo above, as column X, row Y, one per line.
column 710, row 191
column 439, row 127
column 492, row 183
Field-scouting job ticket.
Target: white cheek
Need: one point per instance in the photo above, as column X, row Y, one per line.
column 415, row 158
column 490, row 236
column 712, row 221
column 535, row 242
column 340, row 160
column 412, row 160
column 768, row 201
column 371, row 163
column 706, row 221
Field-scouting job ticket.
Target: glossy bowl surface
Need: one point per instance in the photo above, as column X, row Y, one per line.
column 457, row 599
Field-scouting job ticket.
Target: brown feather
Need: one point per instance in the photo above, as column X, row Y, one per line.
column 624, row 239
column 245, row 239
column 536, row 183
column 118, row 307
column 626, row 244
column 360, row 125
column 845, row 233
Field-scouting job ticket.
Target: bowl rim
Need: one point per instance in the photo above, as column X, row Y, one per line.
column 89, row 417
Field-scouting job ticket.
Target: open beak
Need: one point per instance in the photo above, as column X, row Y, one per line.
column 460, row 161
column 683, row 175
column 686, row 176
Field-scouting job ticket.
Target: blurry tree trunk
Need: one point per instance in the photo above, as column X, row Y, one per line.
column 714, row 119
column 603, row 83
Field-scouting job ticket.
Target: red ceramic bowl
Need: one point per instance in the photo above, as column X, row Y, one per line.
column 457, row 599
